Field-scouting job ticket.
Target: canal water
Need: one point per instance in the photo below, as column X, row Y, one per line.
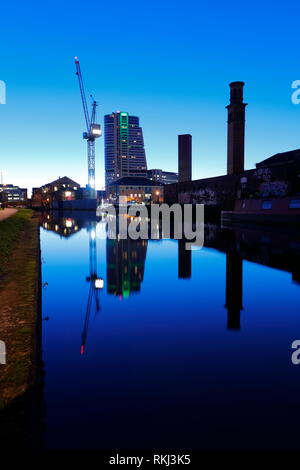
column 147, row 346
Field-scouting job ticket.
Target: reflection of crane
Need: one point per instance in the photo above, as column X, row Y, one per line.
column 93, row 130
column 96, row 283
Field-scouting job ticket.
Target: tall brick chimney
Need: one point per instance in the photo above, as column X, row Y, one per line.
column 236, row 129
column 184, row 157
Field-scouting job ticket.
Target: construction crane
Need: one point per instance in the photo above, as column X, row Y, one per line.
column 96, row 284
column 93, row 130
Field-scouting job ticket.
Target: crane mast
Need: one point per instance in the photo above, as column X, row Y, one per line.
column 93, row 130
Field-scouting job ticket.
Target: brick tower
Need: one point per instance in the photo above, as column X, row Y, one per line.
column 236, row 129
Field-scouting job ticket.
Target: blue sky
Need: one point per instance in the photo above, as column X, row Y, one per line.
column 168, row 62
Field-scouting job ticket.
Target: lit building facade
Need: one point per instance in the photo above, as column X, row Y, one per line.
column 63, row 189
column 136, row 189
column 124, row 147
column 164, row 177
column 12, row 195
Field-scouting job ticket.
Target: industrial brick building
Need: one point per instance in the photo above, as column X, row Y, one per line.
column 274, row 178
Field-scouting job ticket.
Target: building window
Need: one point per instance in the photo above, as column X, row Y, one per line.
column 266, row 205
column 294, row 204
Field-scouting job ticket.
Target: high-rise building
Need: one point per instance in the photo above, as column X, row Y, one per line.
column 124, row 147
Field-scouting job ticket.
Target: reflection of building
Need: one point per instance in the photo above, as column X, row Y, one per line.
column 101, row 194
column 62, row 189
column 136, row 189
column 62, row 225
column 184, row 260
column 65, row 226
column 277, row 249
column 124, row 147
column 13, row 195
column 234, row 288
column 125, row 261
column 164, row 177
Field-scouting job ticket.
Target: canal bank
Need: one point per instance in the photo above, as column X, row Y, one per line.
column 19, row 328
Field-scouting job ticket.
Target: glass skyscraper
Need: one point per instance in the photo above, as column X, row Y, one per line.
column 124, row 147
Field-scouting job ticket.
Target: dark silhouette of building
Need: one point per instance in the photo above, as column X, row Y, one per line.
column 124, row 147
column 184, row 157
column 236, row 129
column 184, row 260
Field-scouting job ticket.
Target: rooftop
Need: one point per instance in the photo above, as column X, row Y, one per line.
column 134, row 181
column 63, row 180
column 292, row 156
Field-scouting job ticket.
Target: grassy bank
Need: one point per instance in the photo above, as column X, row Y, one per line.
column 19, row 303
column 11, row 230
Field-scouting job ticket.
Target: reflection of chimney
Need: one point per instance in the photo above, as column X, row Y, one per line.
column 236, row 129
column 184, row 157
column 234, row 289
column 184, row 261
column 296, row 275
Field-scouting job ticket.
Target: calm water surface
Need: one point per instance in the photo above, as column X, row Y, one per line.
column 177, row 350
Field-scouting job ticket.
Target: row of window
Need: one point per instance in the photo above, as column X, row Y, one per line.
column 267, row 205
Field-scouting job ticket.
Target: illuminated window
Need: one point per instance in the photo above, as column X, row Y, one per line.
column 266, row 205
column 294, row 204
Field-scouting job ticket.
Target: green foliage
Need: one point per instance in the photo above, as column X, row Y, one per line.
column 10, row 233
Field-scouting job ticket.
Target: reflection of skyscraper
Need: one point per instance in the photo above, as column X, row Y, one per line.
column 125, row 260
column 234, row 288
column 124, row 147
